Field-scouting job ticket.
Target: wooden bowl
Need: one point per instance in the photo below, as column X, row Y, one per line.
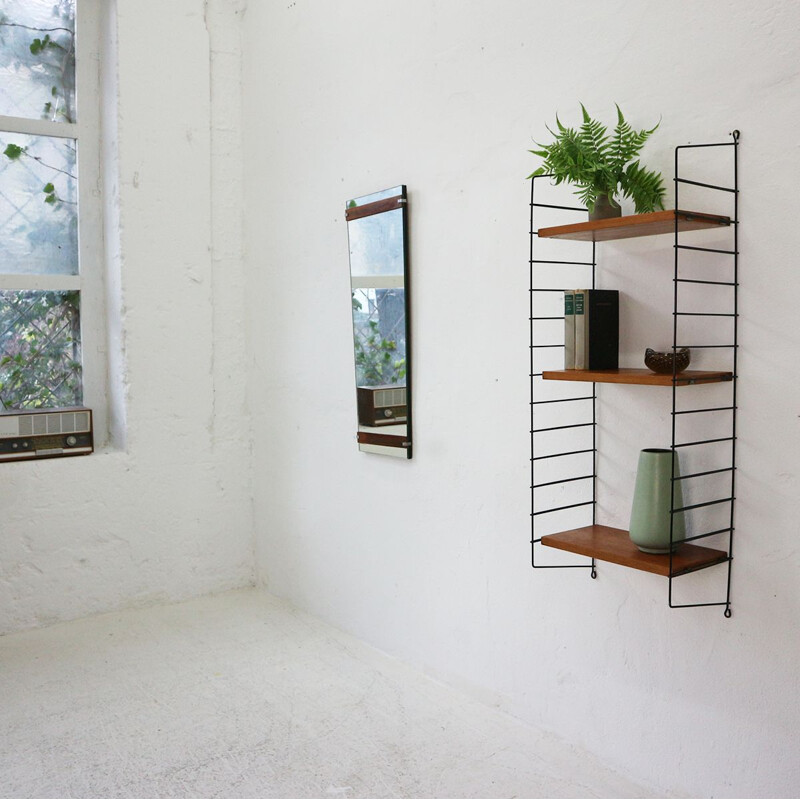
column 662, row 362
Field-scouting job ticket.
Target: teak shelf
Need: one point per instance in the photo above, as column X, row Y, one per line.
column 652, row 224
column 643, row 377
column 614, row 545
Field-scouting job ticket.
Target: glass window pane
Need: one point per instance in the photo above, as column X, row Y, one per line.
column 37, row 59
column 40, row 350
column 379, row 324
column 376, row 244
column 38, row 205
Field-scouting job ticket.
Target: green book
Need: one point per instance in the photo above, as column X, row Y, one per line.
column 569, row 329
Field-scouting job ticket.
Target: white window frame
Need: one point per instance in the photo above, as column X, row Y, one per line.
column 90, row 279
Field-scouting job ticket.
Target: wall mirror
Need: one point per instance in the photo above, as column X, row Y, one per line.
column 377, row 231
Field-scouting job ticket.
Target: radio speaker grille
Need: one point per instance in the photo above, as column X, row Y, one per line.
column 390, row 397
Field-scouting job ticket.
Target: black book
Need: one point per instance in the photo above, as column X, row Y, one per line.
column 602, row 329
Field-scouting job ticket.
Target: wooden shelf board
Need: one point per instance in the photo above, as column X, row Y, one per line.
column 651, row 224
column 614, row 545
column 643, row 377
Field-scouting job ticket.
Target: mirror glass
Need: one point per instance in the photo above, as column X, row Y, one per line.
column 377, row 232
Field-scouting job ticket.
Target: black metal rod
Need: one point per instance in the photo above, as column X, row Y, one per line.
column 703, row 346
column 699, row 474
column 703, row 505
column 710, row 283
column 562, row 480
column 562, row 208
column 572, row 263
column 699, row 605
column 706, row 535
column 538, row 346
column 705, row 441
column 561, row 455
column 698, row 568
column 705, row 249
column 562, row 400
column 532, row 290
column 560, row 566
column 562, row 508
column 563, row 427
column 706, row 185
column 540, row 319
column 704, row 410
column 691, row 314
column 711, row 144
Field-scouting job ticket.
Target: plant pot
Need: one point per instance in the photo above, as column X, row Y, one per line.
column 650, row 515
column 604, row 208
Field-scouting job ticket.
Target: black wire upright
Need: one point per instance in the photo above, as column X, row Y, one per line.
column 536, row 374
column 732, row 346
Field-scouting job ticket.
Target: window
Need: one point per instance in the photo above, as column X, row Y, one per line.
column 49, row 229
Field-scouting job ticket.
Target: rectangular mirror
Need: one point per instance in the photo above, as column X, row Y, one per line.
column 377, row 232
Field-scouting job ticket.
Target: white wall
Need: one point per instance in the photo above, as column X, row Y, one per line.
column 164, row 511
column 429, row 559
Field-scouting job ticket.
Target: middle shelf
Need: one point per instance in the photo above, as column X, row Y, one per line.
column 643, row 377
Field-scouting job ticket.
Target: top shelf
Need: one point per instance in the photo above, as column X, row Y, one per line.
column 652, row 224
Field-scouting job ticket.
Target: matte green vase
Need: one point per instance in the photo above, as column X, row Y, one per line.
column 650, row 515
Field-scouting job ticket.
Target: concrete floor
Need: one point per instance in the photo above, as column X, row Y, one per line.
column 239, row 695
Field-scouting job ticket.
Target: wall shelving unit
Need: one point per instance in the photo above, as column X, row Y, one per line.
column 601, row 542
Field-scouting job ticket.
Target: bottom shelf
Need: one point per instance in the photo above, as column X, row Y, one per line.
column 614, row 545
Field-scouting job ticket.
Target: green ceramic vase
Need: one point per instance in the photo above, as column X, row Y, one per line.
column 650, row 515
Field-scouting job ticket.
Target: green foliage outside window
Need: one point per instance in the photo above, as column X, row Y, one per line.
column 40, row 348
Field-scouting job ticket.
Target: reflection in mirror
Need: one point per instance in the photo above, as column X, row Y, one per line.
column 378, row 235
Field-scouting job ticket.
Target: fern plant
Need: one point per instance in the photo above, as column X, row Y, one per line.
column 598, row 164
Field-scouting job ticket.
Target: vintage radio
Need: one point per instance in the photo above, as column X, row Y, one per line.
column 46, row 433
column 381, row 405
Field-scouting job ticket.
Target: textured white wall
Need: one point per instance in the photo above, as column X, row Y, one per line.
column 164, row 513
column 429, row 559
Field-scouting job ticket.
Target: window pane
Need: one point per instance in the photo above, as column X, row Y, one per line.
column 379, row 324
column 37, row 59
column 38, row 205
column 40, row 350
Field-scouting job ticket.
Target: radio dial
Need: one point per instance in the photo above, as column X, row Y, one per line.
column 72, row 441
column 388, row 413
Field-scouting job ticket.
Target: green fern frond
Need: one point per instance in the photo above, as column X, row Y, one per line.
column 644, row 187
column 593, row 137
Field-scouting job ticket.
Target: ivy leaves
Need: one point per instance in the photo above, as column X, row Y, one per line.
column 598, row 163
column 15, row 152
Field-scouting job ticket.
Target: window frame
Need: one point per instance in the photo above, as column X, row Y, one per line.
column 86, row 132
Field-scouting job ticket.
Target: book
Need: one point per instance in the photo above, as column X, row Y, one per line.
column 579, row 301
column 569, row 329
column 596, row 329
column 602, row 312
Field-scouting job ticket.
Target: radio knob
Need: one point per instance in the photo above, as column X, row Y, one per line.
column 388, row 413
column 72, row 441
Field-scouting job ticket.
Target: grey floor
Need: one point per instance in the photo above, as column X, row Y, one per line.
column 239, row 695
